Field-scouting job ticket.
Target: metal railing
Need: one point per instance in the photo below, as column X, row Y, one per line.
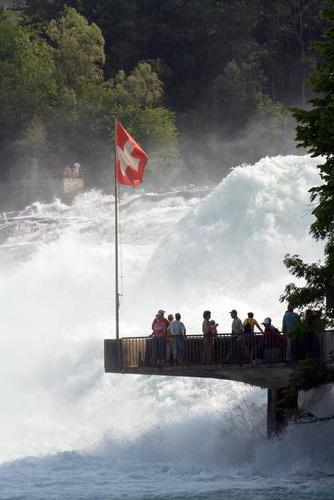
column 190, row 350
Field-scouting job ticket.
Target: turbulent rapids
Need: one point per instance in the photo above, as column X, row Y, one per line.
column 180, row 251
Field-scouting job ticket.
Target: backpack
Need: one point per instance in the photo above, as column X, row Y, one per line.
column 247, row 328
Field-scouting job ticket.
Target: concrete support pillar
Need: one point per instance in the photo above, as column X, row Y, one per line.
column 278, row 410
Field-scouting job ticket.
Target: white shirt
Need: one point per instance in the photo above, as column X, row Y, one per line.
column 237, row 327
column 77, row 168
column 177, row 328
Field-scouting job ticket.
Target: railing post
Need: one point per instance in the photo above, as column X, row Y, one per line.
column 113, row 355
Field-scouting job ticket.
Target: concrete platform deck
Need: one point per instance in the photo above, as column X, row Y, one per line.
column 259, row 375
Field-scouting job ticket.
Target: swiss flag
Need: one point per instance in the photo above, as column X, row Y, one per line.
column 131, row 159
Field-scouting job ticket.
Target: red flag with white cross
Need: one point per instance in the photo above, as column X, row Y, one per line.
column 131, row 159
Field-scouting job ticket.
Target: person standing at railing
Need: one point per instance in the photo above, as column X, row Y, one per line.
column 290, row 322
column 272, row 337
column 177, row 331
column 169, row 340
column 237, row 328
column 159, row 332
column 269, row 329
column 248, row 325
column 207, row 338
column 237, row 339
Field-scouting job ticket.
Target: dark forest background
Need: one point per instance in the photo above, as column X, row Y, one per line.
column 202, row 84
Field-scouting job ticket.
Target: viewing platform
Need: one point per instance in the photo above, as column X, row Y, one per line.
column 262, row 360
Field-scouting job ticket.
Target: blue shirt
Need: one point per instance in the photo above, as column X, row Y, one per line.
column 177, row 328
column 290, row 319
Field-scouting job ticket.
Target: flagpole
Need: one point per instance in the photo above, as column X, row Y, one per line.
column 116, row 239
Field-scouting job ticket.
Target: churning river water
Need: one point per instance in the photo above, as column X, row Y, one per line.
column 70, row 431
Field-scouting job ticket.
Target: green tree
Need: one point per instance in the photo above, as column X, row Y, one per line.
column 33, row 137
column 81, row 127
column 79, row 49
column 199, row 48
column 288, row 29
column 315, row 132
column 28, row 84
column 56, row 106
column 137, row 101
column 240, row 87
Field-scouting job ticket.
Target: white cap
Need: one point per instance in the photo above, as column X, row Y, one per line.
column 266, row 321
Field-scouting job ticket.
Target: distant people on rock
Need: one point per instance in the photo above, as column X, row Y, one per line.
column 177, row 332
column 207, row 338
column 159, row 332
column 249, row 324
column 77, row 168
column 290, row 320
column 72, row 170
column 237, row 328
column 68, row 171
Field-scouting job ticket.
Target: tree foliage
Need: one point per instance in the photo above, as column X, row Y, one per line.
column 28, row 85
column 79, row 50
column 315, row 132
column 222, row 64
column 56, row 103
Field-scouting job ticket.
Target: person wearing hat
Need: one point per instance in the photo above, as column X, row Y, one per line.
column 159, row 331
column 237, row 327
column 235, row 345
column 268, row 339
column 268, row 327
column 272, row 337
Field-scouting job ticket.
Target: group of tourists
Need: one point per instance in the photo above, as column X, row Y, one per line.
column 73, row 170
column 169, row 336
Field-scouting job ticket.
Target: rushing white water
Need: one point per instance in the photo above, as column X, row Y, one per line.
column 103, row 436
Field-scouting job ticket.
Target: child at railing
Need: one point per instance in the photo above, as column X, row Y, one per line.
column 214, row 325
